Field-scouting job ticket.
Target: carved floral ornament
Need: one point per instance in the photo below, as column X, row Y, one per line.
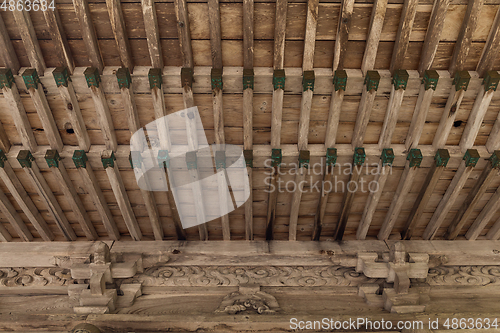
column 22, row 277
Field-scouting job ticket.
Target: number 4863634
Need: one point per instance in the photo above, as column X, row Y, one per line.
column 27, row 5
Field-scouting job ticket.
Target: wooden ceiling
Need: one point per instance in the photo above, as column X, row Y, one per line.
column 333, row 38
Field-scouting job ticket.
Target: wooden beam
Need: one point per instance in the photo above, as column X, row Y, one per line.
column 276, row 158
column 225, row 199
column 108, row 162
column 494, row 232
column 385, row 166
column 374, row 32
column 424, row 100
column 248, row 36
column 491, row 170
column 197, row 194
column 399, row 82
column 62, row 178
column 4, row 139
column 341, row 40
column 347, row 201
column 88, row 33
column 101, row 107
column 303, row 165
column 82, row 164
column 433, row 35
column 14, row 219
column 279, row 33
column 155, row 84
column 152, row 33
column 372, row 80
column 27, row 161
column 4, row 234
column 310, row 35
column 249, row 194
column 7, row 52
column 403, row 34
column 39, row 99
column 413, row 162
column 338, row 92
column 491, row 48
column 30, row 41
column 184, row 33
column 70, row 101
column 59, row 40
column 442, row 157
column 484, row 217
column 464, row 39
column 120, row 32
column 215, row 33
column 457, row 92
column 23, row 199
column 452, row 192
column 479, row 109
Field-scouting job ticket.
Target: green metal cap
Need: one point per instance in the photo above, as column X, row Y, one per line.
column 495, row 159
column 25, row 158
column 52, row 157
column 308, row 80
column 400, row 79
column 461, row 80
column 340, row 79
column 387, row 156
column 187, row 77
column 80, row 158
column 61, row 76
column 135, row 159
column 248, row 78
column 108, row 159
column 372, row 79
column 248, row 154
column 216, row 78
column 471, row 157
column 92, row 76
column 6, row 78
column 123, row 77
column 276, row 157
column 163, row 159
column 155, row 78
column 415, row 157
column 491, row 80
column 191, row 160
column 279, row 79
column 331, row 156
column 442, row 157
column 304, row 158
column 3, row 158
column 31, row 79
column 430, row 80
column 359, row 156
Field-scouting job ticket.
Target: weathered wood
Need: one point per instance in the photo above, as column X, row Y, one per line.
column 248, row 35
column 363, row 117
column 347, row 202
column 59, row 39
column 403, row 35
column 88, row 33
column 14, row 219
column 433, row 35
column 218, row 117
column 179, row 230
column 279, row 33
column 152, row 33
column 198, row 204
column 184, row 33
column 215, row 33
column 249, row 206
column 374, row 32
column 491, row 48
column 484, row 217
column 271, row 202
column 494, row 232
column 319, row 219
column 30, row 41
column 7, row 52
column 332, row 124
column 4, row 139
column 120, row 33
column 310, row 35
column 343, row 27
column 448, row 118
column 464, row 40
column 295, row 206
column 4, row 234
column 276, row 118
column 391, row 117
column 225, row 206
column 305, row 113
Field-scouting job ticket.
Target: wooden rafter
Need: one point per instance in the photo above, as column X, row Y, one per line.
column 374, row 32
column 7, row 52
column 88, row 33
column 491, row 48
column 344, row 24
column 30, row 41
column 184, row 33
column 484, row 217
column 368, row 95
column 403, row 35
column 152, row 33
column 59, row 40
column 120, row 33
column 14, row 219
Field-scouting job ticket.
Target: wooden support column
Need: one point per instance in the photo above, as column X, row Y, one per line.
column 30, row 41
column 248, row 85
column 120, row 33
column 37, row 94
column 108, row 162
column 464, row 170
column 441, row 160
column 460, row 84
column 357, row 168
column 23, row 199
column 59, row 40
column 481, row 104
column 59, row 171
column 403, row 34
column 427, row 89
column 374, row 32
column 88, row 33
column 319, row 219
column 433, row 34
column 413, row 161
column 399, row 81
column 343, row 27
column 68, row 95
column 304, row 157
column 101, row 107
column 31, row 169
column 92, row 186
column 7, row 52
column 491, row 170
column 15, row 221
column 464, row 40
column 372, row 80
column 276, row 158
column 152, row 33
column 484, row 217
column 491, row 48
column 385, row 167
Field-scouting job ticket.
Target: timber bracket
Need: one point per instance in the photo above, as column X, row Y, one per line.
column 52, row 157
column 108, row 159
column 442, row 157
column 25, row 158
column 387, row 156
column 248, row 154
column 276, row 157
column 155, row 78
column 80, row 159
column 471, row 157
column 400, row 79
column 187, row 77
column 372, row 80
column 3, row 159
column 331, row 156
column 495, row 159
column 216, row 78
column 304, row 158
column 359, row 156
column 415, row 157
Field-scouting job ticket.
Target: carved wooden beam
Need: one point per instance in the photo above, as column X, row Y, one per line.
column 319, row 219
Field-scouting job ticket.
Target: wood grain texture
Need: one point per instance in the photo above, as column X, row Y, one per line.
column 184, row 32
column 310, row 35
column 476, row 116
column 491, row 48
column 343, row 27
column 295, row 207
column 279, row 34
column 419, row 117
column 119, row 31
column 104, row 117
column 305, row 115
column 332, row 125
column 363, row 117
column 448, row 117
column 484, row 217
column 391, row 117
column 403, row 34
column 374, row 33
column 88, row 33
column 14, row 219
column 152, row 33
column 248, row 33
column 30, row 41
column 59, row 39
column 215, row 33
column 347, row 203
column 7, row 51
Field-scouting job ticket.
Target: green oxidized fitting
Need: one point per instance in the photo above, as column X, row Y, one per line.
column 248, row 154
column 442, row 157
column 216, row 78
column 135, row 159
column 155, row 78
column 461, row 80
column 187, row 77
column 276, row 157
column 279, row 79
column 387, row 156
column 3, row 158
column 80, row 159
column 163, row 159
column 490, row 80
column 372, row 79
column 495, row 159
column 430, row 79
column 31, row 79
column 248, row 78
column 340, row 80
column 415, row 157
column 304, row 158
column 6, row 78
column 124, row 78
column 359, row 156
column 52, row 157
column 61, row 76
column 308, row 80
column 471, row 157
column 400, row 79
column 331, row 156
column 92, row 76
column 220, row 159
column 108, row 160
column 25, row 158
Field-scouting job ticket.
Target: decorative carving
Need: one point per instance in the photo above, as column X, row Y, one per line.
column 85, row 328
column 23, row 277
column 464, row 276
column 249, row 298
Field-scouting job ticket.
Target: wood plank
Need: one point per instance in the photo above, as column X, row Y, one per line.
column 64, row 182
column 403, row 35
column 184, row 32
column 152, row 33
column 489, row 173
column 491, row 48
column 30, row 41
column 85, row 169
column 199, row 204
column 391, row 117
column 249, row 206
column 341, row 40
column 279, row 34
column 433, row 35
column 88, row 33
column 14, row 219
column 7, row 52
column 115, row 179
column 119, row 31
column 374, row 33
column 59, row 39
column 464, row 39
column 451, row 195
column 276, row 118
column 47, row 197
column 39, row 99
column 493, row 142
column 484, row 217
column 215, row 33
column 305, row 114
